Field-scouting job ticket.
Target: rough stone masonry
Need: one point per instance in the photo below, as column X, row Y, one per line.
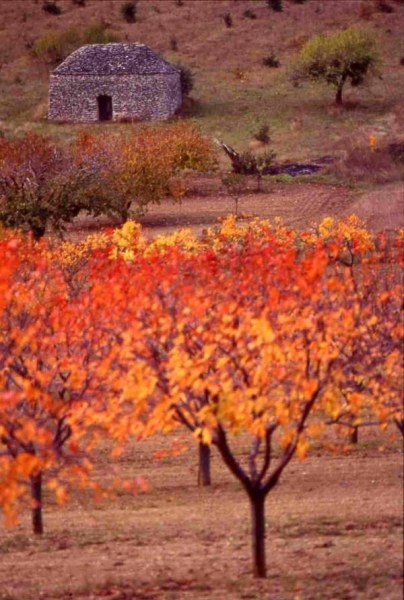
column 114, row 82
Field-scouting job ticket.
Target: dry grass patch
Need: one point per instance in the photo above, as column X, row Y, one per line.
column 228, row 106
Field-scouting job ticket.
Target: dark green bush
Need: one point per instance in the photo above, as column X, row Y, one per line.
column 51, row 7
column 186, row 79
column 98, row 33
column 276, row 5
column 271, row 61
column 384, row 7
column 228, row 21
column 53, row 47
column 174, row 43
column 262, row 134
column 249, row 14
column 254, row 164
column 128, row 11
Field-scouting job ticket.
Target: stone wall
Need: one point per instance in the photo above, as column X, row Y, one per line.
column 73, row 98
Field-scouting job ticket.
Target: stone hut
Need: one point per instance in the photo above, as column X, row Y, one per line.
column 110, row 82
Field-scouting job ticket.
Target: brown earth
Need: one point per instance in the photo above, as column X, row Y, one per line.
column 334, row 532
column 301, row 205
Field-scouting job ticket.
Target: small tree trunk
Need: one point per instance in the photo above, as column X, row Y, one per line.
column 400, row 425
column 259, row 180
column 36, row 497
column 354, row 435
column 257, row 501
column 338, row 97
column 38, row 231
column 236, row 201
column 204, row 465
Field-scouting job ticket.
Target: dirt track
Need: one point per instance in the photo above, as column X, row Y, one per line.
column 301, row 205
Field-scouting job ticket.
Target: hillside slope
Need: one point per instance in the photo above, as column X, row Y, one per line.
column 234, row 92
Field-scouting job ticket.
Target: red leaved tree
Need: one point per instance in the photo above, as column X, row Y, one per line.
column 258, row 337
column 60, row 374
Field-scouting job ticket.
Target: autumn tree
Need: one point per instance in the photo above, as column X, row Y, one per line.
column 265, row 370
column 256, row 336
column 253, row 331
column 373, row 379
column 56, row 380
column 346, row 56
column 149, row 164
column 45, row 183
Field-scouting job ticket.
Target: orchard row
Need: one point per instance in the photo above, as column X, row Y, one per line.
column 256, row 329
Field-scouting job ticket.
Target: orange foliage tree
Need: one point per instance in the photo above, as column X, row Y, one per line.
column 373, row 385
column 145, row 167
column 259, row 336
column 58, row 378
column 262, row 332
column 45, row 183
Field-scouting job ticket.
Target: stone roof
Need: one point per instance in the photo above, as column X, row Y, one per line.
column 114, row 59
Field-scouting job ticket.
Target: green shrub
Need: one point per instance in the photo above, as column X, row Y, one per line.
column 248, row 163
column 53, row 46
column 186, row 79
column 51, row 7
column 255, row 164
column 384, row 7
column 98, row 33
column 276, row 5
column 228, row 21
column 249, row 14
column 345, row 56
column 174, row 43
column 262, row 134
column 271, row 61
column 128, row 11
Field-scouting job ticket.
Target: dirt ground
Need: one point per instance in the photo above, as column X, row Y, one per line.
column 334, row 532
column 301, row 205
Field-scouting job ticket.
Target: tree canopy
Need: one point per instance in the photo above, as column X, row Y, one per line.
column 351, row 55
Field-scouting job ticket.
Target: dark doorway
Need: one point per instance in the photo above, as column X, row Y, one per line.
column 104, row 108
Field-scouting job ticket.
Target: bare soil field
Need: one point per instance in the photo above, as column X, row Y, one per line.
column 334, row 532
column 301, row 205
